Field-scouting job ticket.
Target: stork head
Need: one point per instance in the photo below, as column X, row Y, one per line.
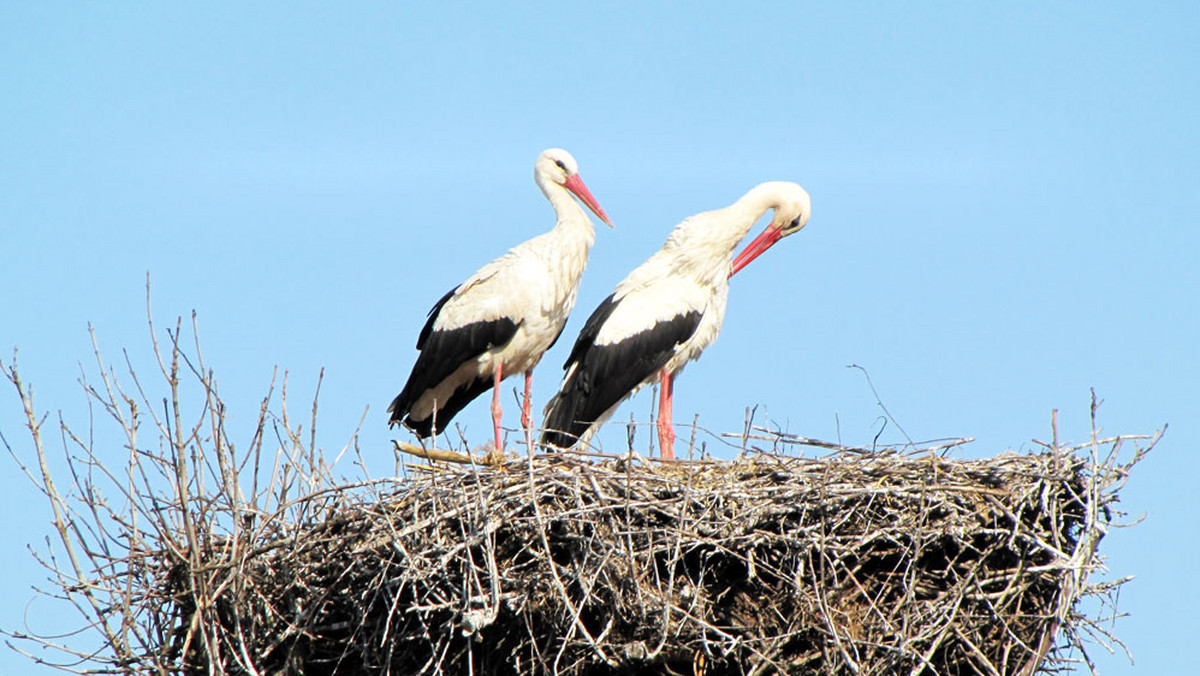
column 558, row 166
column 792, row 207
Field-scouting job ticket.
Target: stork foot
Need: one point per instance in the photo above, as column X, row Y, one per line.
column 494, row 457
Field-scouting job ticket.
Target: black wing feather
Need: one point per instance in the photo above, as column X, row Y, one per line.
column 442, row 353
column 445, row 412
column 432, row 317
column 606, row 374
column 591, row 329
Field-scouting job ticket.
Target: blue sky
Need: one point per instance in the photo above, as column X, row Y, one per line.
column 1004, row 195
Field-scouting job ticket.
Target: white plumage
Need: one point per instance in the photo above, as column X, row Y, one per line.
column 665, row 313
column 503, row 318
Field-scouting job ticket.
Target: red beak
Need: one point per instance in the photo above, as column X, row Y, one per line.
column 755, row 249
column 576, row 186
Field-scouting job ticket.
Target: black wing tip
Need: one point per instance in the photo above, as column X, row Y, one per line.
column 422, row 428
column 399, row 416
column 562, row 425
column 397, row 410
column 401, row 408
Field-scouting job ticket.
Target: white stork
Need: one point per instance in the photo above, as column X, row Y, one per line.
column 502, row 319
column 664, row 314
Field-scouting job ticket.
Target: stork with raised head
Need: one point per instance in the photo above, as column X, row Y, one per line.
column 503, row 318
column 664, row 314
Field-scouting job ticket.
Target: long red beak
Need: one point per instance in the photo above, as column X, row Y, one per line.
column 576, row 186
column 755, row 249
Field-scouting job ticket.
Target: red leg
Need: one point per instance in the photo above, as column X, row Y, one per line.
column 666, row 432
column 526, row 419
column 496, row 410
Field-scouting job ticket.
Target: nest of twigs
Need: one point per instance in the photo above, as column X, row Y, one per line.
column 856, row 563
column 188, row 559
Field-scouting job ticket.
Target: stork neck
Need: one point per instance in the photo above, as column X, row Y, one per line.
column 569, row 212
column 745, row 212
column 703, row 244
column 715, row 234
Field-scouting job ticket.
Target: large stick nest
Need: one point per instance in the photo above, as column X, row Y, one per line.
column 197, row 555
column 855, row 563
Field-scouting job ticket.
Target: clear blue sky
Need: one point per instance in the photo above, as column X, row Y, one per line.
column 1005, row 215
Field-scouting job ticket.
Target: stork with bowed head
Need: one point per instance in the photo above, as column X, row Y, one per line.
column 664, row 314
column 503, row 318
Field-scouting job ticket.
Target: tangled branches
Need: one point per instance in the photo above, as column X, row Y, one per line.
column 858, row 563
column 185, row 562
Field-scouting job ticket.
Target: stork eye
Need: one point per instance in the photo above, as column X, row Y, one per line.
column 795, row 223
column 560, row 165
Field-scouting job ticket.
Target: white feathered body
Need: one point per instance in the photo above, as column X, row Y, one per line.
column 537, row 281
column 664, row 314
